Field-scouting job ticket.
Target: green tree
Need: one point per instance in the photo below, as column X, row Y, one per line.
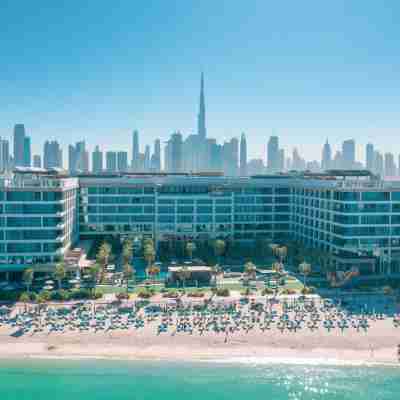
column 127, row 251
column 184, row 274
column 149, row 254
column 93, row 273
column 27, row 278
column 59, row 273
column 24, row 298
column 102, row 257
column 190, row 249
column 219, row 247
column 250, row 270
column 305, row 269
column 153, row 270
column 129, row 273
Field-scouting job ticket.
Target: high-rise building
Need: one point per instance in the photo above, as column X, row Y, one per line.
column 281, row 159
column 326, row 161
column 111, row 161
column 156, row 157
column 97, row 161
column 4, row 155
column 146, row 163
column 52, row 155
column 243, row 155
column 122, row 161
column 273, row 154
column 378, row 163
column 37, row 161
column 369, row 157
column 390, row 166
column 27, row 151
column 298, row 164
column 230, row 157
column 174, row 153
column 78, row 158
column 19, row 145
column 201, row 117
column 135, row 151
column 348, row 154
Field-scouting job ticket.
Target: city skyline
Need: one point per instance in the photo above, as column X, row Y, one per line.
column 195, row 153
column 334, row 76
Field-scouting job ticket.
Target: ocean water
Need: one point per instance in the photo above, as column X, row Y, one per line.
column 117, row 380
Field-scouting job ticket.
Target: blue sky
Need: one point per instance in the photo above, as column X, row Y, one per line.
column 306, row 70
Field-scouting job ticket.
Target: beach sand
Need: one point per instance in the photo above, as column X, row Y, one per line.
column 377, row 345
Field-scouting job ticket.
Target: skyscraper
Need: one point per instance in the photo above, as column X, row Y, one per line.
column 326, row 162
column 147, row 158
column 122, row 161
column 273, row 154
column 243, row 155
column 174, row 153
column 201, row 117
column 369, row 158
column 97, row 161
column 19, row 145
column 27, row 151
column 52, row 155
column 78, row 158
column 135, row 151
column 348, row 154
column 390, row 166
column 4, row 155
column 37, row 161
column 111, row 161
column 156, row 158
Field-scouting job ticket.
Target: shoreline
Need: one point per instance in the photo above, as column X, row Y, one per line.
column 218, row 353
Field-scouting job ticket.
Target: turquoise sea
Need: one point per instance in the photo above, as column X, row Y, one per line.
column 117, row 380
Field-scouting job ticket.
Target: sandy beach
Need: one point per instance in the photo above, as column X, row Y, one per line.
column 377, row 345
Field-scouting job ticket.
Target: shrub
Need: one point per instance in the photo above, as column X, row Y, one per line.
column 195, row 293
column 24, row 297
column 222, row 292
column 172, row 294
column 267, row 291
column 45, row 295
column 288, row 291
column 145, row 293
column 60, row 295
column 122, row 296
column 307, row 290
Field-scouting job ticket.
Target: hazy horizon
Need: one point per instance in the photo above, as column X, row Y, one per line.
column 305, row 72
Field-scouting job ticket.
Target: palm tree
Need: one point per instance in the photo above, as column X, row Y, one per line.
column 27, row 278
column 273, row 247
column 59, row 273
column 24, row 298
column 277, row 267
column 215, row 271
column 219, row 247
column 250, row 270
column 190, row 249
column 102, row 257
column 153, row 270
column 93, row 273
column 184, row 274
column 149, row 254
column 305, row 269
column 127, row 251
column 128, row 273
column 281, row 253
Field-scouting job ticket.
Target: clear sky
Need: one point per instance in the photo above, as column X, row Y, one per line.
column 305, row 70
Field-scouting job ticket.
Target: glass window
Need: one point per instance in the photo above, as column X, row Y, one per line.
column 23, row 196
column 185, row 218
column 166, row 218
column 223, row 209
column 375, row 196
column 204, row 210
column 204, row 218
column 396, row 196
column 166, row 210
column 223, row 218
column 52, row 196
column 185, row 210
